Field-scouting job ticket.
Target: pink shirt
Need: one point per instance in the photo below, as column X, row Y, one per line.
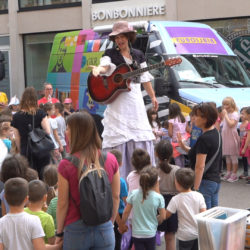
column 178, row 126
column 133, row 180
column 70, row 173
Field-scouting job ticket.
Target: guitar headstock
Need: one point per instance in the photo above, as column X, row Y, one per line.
column 173, row 61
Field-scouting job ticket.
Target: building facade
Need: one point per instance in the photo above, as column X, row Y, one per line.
column 28, row 27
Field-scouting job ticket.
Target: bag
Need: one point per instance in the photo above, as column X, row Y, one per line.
column 39, row 143
column 96, row 203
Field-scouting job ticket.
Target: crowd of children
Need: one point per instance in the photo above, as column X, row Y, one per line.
column 152, row 198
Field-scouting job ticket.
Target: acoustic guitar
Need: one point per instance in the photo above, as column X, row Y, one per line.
column 105, row 89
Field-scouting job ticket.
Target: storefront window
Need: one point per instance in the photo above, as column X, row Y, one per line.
column 37, row 52
column 37, row 3
column 3, row 5
column 5, row 49
column 237, row 33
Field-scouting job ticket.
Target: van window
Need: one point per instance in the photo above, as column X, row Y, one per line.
column 211, row 70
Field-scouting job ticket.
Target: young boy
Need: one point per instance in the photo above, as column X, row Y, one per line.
column 123, row 197
column 61, row 125
column 187, row 204
column 19, row 230
column 37, row 198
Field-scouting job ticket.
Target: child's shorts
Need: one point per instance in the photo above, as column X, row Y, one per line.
column 171, row 224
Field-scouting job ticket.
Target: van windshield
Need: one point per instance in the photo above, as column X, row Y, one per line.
column 214, row 70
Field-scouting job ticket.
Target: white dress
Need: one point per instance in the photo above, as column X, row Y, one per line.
column 125, row 119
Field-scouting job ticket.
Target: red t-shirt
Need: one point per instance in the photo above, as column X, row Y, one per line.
column 70, row 173
column 45, row 100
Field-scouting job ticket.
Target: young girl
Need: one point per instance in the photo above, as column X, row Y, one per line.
column 177, row 123
column 140, row 159
column 50, row 178
column 146, row 202
column 243, row 132
column 245, row 146
column 5, row 133
column 13, row 166
column 49, row 108
column 155, row 124
column 164, row 152
column 230, row 138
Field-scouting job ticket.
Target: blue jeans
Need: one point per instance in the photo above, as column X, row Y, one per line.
column 210, row 191
column 78, row 236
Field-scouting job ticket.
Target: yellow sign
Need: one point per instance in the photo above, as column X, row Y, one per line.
column 204, row 40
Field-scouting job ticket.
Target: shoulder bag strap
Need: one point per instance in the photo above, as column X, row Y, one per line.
column 209, row 163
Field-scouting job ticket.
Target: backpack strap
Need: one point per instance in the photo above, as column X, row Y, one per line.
column 103, row 158
column 73, row 159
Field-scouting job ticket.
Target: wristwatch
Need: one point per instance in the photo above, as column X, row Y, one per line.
column 60, row 235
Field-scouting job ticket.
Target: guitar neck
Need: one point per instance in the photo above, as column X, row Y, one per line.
column 139, row 71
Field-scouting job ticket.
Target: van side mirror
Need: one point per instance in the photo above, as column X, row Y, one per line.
column 2, row 68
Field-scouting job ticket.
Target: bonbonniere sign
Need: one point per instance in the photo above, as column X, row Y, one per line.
column 128, row 12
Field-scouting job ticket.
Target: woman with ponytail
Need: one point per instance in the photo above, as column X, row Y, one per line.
column 146, row 202
column 164, row 152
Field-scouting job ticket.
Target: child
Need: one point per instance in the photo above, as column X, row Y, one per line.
column 230, row 138
column 187, row 204
column 61, row 125
column 140, row 159
column 49, row 108
column 146, row 202
column 50, row 178
column 245, row 146
column 123, row 197
column 5, row 133
column 19, row 230
column 195, row 132
column 243, row 132
column 177, row 123
column 13, row 166
column 68, row 110
column 155, row 124
column 31, row 174
column 14, row 105
column 37, row 198
column 164, row 152
column 164, row 129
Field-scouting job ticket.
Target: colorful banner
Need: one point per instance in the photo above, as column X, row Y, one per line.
column 68, row 70
column 195, row 40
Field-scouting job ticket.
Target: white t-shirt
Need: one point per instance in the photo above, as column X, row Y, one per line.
column 18, row 230
column 61, row 127
column 133, row 180
column 53, row 125
column 187, row 205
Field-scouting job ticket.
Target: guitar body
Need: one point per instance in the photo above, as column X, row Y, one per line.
column 105, row 89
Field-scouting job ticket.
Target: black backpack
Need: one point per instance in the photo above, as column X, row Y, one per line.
column 96, row 203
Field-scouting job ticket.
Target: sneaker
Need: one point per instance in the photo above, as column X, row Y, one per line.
column 248, row 182
column 226, row 177
column 233, row 178
column 243, row 176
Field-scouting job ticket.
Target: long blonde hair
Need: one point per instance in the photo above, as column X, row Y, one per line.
column 231, row 102
column 84, row 139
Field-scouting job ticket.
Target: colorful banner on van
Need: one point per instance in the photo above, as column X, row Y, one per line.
column 195, row 40
column 71, row 55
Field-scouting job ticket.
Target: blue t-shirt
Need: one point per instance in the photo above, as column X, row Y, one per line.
column 7, row 143
column 195, row 134
column 123, row 193
column 144, row 221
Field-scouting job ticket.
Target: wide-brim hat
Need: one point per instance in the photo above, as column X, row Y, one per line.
column 121, row 27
